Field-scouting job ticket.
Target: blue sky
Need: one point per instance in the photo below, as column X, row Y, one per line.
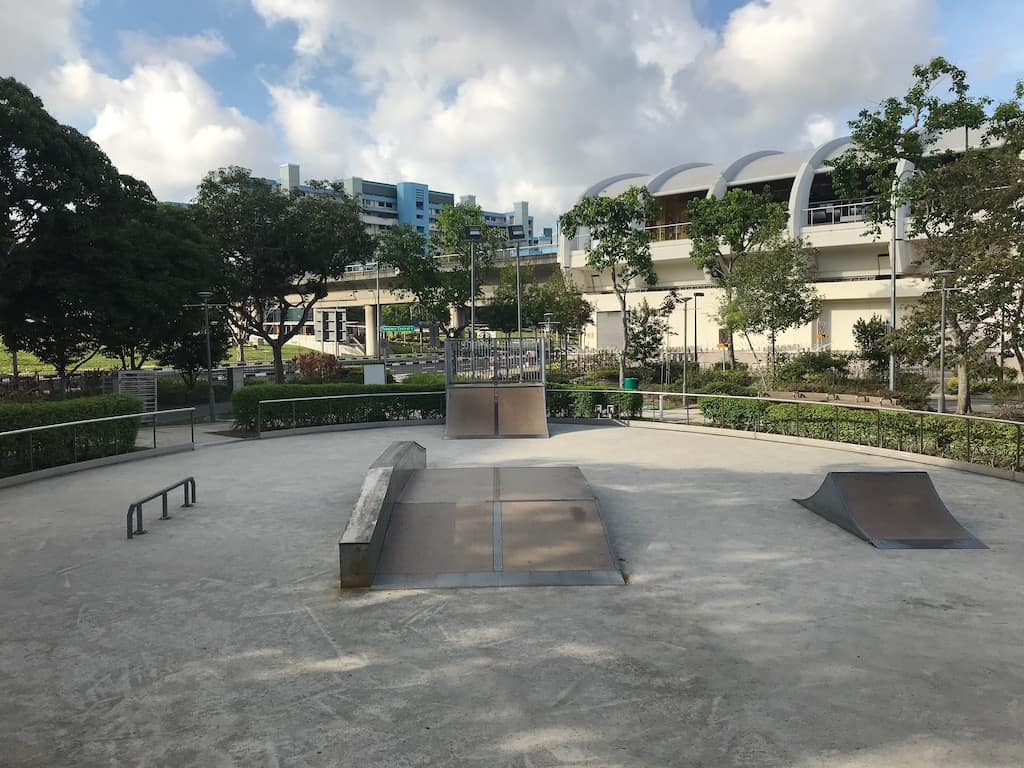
column 532, row 100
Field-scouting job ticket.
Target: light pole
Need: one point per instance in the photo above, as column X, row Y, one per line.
column 205, row 297
column 517, row 233
column 376, row 312
column 474, row 234
column 696, row 349
column 685, row 300
column 943, row 273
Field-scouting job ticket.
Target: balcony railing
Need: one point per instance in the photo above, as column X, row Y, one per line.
column 664, row 232
column 837, row 212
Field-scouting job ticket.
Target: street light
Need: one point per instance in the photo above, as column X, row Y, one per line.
column 516, row 234
column 686, row 356
column 943, row 273
column 696, row 349
column 474, row 234
column 205, row 297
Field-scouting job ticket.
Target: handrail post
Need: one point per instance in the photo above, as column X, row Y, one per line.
column 259, row 418
column 163, row 498
column 878, row 427
column 74, row 444
column 192, row 426
column 661, row 407
column 920, row 435
column 153, row 417
column 1016, row 466
column 968, row 439
column 837, row 423
column 31, row 458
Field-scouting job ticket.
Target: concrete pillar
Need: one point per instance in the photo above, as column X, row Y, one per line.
column 370, row 314
column 455, row 317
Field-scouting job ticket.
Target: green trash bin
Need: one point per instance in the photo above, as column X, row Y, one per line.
column 631, row 384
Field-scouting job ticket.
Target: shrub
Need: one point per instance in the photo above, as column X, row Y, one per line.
column 66, row 445
column 817, row 367
column 171, row 392
column 424, row 380
column 314, row 413
column 580, row 402
column 323, row 367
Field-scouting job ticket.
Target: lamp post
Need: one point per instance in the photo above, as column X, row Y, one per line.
column 696, row 349
column 205, row 297
column 516, row 234
column 474, row 234
column 943, row 273
column 685, row 300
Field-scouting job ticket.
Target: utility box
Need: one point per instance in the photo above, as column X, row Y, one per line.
column 375, row 373
column 236, row 377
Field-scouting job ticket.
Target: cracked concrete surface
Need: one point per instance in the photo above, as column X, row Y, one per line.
column 753, row 633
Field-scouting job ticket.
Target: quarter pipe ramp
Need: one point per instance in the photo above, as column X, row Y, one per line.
column 496, row 410
column 891, row 510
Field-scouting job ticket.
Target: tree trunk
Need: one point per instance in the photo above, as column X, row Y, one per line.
column 625, row 338
column 276, row 347
column 963, row 386
column 241, row 351
column 773, row 358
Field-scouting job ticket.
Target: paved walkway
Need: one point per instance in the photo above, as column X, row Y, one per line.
column 753, row 632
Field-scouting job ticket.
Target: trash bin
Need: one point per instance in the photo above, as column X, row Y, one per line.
column 631, row 384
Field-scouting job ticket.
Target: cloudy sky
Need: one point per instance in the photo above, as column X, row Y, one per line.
column 533, row 99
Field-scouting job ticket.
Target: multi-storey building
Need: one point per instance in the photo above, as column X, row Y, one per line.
column 853, row 269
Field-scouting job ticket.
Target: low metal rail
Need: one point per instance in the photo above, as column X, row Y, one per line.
column 189, row 484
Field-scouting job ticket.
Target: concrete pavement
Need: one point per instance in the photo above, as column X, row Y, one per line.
column 753, row 633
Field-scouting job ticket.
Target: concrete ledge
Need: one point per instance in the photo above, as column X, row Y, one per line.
column 360, row 544
column 81, row 466
column 916, row 458
column 349, row 427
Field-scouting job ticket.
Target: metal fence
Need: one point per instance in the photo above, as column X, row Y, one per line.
column 71, row 442
column 979, row 440
column 333, row 410
column 494, row 360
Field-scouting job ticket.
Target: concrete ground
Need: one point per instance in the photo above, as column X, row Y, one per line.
column 753, row 633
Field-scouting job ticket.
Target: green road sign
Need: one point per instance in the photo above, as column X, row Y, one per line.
column 399, row 328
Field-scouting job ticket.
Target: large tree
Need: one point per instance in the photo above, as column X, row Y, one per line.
column 619, row 244
column 61, row 246
column 725, row 230
column 278, row 251
column 771, row 293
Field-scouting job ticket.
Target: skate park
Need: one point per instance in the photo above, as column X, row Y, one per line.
column 751, row 631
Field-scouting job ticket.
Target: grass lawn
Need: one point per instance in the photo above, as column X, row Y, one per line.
column 28, row 364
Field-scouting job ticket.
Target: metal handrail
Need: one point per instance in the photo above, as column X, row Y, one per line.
column 58, row 425
column 260, row 403
column 189, row 483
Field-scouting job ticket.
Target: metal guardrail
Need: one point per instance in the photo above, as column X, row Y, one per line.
column 837, row 211
column 294, row 400
column 189, row 484
column 800, row 421
column 663, row 232
column 75, row 426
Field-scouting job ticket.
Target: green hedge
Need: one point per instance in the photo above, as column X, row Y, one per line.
column 580, row 402
column 317, row 413
column 974, row 441
column 66, row 445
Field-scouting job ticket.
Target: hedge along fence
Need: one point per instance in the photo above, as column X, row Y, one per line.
column 29, row 451
column 580, row 402
column 969, row 439
column 288, row 411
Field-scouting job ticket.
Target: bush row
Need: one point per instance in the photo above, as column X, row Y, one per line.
column 581, row 402
column 65, row 445
column 979, row 442
column 317, row 413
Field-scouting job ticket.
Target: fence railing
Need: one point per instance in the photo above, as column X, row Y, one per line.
column 980, row 440
column 330, row 410
column 495, row 360
column 664, row 232
column 70, row 442
column 837, row 211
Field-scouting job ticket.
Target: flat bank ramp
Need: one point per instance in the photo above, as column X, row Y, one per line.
column 489, row 410
column 891, row 510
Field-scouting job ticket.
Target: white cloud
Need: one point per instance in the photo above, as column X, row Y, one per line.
column 534, row 100
column 195, row 50
column 162, row 123
column 37, row 34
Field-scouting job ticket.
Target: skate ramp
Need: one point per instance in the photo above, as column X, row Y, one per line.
column 891, row 510
column 496, row 410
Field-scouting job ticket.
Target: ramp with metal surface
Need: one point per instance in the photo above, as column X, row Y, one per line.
column 490, row 527
column 891, row 510
column 496, row 410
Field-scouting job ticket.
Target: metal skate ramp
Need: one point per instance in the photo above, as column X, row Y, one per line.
column 491, row 527
column 495, row 410
column 891, row 510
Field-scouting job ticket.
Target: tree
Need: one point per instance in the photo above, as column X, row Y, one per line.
column 500, row 314
column 771, row 292
column 62, row 201
column 560, row 297
column 167, row 261
column 647, row 328
column 278, row 252
column 872, row 347
column 619, row 244
column 402, row 247
column 184, row 347
column 725, row 230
